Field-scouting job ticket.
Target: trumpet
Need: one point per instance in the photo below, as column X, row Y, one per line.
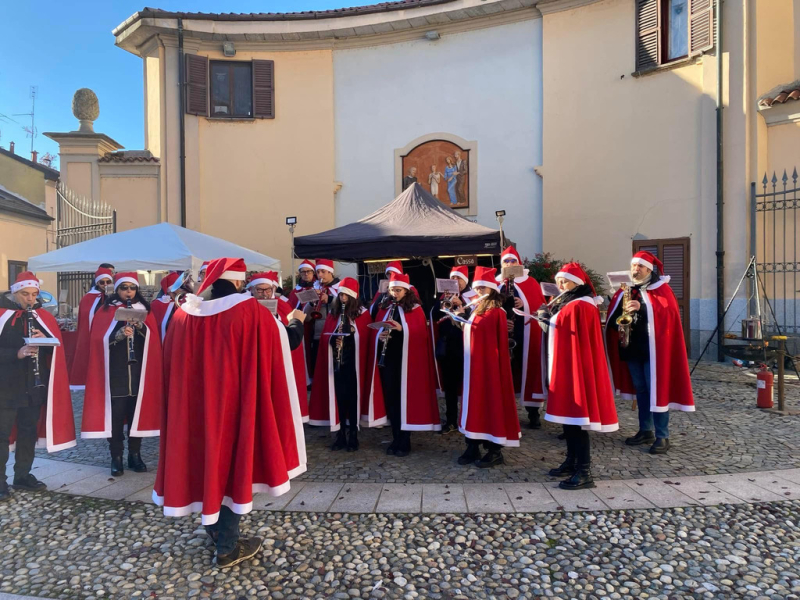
column 447, row 301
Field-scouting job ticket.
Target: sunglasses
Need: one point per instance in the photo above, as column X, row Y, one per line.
column 127, row 288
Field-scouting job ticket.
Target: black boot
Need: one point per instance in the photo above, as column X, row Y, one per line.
column 116, row 466
column 533, row 415
column 641, row 438
column 352, row 441
column 136, row 464
column 341, row 441
column 566, row 468
column 5, row 494
column 580, row 480
column 30, row 483
column 660, row 446
column 493, row 457
column 403, row 444
column 472, row 453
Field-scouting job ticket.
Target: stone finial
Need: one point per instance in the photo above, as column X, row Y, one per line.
column 86, row 109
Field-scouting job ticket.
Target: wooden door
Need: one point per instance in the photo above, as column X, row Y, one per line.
column 674, row 253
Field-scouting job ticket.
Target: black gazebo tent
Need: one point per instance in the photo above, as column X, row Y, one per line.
column 413, row 225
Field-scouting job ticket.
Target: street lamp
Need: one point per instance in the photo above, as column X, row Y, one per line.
column 291, row 222
column 499, row 214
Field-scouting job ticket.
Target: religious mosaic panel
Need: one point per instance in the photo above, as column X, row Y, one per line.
column 442, row 168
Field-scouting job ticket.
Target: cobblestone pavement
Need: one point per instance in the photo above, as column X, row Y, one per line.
column 59, row 546
column 727, row 434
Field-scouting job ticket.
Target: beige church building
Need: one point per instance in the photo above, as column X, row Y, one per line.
column 595, row 124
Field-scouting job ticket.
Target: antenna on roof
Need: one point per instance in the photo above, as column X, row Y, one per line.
column 31, row 131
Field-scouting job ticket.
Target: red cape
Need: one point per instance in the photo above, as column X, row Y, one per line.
column 301, row 377
column 488, row 408
column 96, row 421
column 231, row 421
column 419, row 410
column 162, row 309
column 90, row 302
column 323, row 409
column 670, row 383
column 530, row 292
column 56, row 428
column 579, row 390
column 308, row 337
column 466, row 296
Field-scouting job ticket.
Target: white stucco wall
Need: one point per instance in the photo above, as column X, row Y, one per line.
column 483, row 86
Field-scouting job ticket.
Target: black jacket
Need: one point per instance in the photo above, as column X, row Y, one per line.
column 638, row 350
column 16, row 374
column 124, row 378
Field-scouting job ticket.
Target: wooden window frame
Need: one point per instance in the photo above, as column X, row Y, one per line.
column 15, row 263
column 231, row 87
column 664, row 16
column 687, row 276
column 199, row 88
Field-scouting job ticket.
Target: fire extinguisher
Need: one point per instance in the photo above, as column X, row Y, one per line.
column 764, row 384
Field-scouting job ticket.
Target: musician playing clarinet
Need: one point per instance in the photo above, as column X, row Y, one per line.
column 30, row 375
column 401, row 367
column 325, row 286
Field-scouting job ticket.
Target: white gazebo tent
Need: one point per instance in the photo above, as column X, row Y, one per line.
column 162, row 247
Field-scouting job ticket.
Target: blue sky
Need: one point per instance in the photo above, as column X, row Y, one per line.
column 61, row 46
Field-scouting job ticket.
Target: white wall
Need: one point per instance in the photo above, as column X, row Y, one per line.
column 483, row 85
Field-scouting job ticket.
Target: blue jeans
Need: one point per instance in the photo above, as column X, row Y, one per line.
column 640, row 374
column 226, row 529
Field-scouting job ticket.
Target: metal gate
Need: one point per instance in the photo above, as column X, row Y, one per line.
column 773, row 241
column 79, row 219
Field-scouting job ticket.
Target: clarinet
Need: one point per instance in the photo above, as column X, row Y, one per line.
column 388, row 317
column 131, row 350
column 37, row 378
column 512, row 293
column 337, row 357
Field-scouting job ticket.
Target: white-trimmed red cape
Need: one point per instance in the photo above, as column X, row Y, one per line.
column 419, row 409
column 301, row 378
column 670, row 383
column 162, row 309
column 488, row 407
column 96, row 421
column 323, row 409
column 231, row 423
column 465, row 296
column 87, row 308
column 56, row 427
column 578, row 387
column 530, row 292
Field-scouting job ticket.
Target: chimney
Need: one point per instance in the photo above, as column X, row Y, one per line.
column 35, row 156
column 11, row 147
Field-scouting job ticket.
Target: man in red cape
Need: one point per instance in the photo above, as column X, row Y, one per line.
column 91, row 301
column 527, row 362
column 231, row 425
column 578, row 388
column 653, row 367
column 394, row 266
column 163, row 307
column 31, row 416
column 419, row 409
column 263, row 286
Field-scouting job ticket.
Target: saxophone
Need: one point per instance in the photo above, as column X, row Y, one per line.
column 625, row 320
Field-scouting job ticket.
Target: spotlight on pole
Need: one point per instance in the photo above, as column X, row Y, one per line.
column 291, row 222
column 499, row 215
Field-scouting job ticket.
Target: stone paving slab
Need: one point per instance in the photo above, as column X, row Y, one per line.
column 13, row 597
column 315, row 497
column 400, row 498
column 357, row 498
column 267, row 502
column 71, row 475
column 90, row 485
column 660, row 494
column 487, row 498
column 443, row 498
column 744, row 486
column 788, row 474
column 530, row 497
column 701, row 491
column 124, row 486
column 619, row 496
column 572, row 500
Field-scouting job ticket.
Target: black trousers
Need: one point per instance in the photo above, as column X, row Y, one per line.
column 391, row 376
column 225, row 530
column 345, row 383
column 452, row 379
column 26, row 419
column 122, row 410
column 578, row 444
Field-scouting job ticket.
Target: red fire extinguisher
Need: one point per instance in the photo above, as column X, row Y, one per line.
column 764, row 384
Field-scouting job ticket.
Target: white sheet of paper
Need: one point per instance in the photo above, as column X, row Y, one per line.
column 549, row 289
column 307, row 296
column 383, row 286
column 617, row 278
column 446, row 286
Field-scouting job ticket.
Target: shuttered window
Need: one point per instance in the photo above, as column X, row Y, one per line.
column 674, row 253
column 230, row 89
column 668, row 30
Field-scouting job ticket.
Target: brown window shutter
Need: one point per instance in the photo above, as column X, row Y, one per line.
column 648, row 34
column 264, row 89
column 701, row 26
column 673, row 266
column 196, row 85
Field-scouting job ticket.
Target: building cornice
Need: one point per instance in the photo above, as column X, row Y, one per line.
column 548, row 7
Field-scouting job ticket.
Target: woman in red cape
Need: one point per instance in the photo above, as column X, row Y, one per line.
column 231, row 424
column 163, row 307
column 339, row 379
column 402, row 386
column 488, row 406
column 578, row 387
column 91, row 301
column 118, row 391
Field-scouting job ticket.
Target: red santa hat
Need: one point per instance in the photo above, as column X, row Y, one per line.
column 269, row 278
column 485, row 277
column 510, row 251
column 25, row 280
column 325, row 264
column 575, row 273
column 307, row 264
column 647, row 260
column 166, row 282
column 348, row 286
column 130, row 277
column 394, row 266
column 399, row 280
column 460, row 271
column 231, row 269
column 204, row 266
column 102, row 273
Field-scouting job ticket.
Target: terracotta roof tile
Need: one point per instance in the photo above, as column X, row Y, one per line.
column 785, row 94
column 128, row 156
